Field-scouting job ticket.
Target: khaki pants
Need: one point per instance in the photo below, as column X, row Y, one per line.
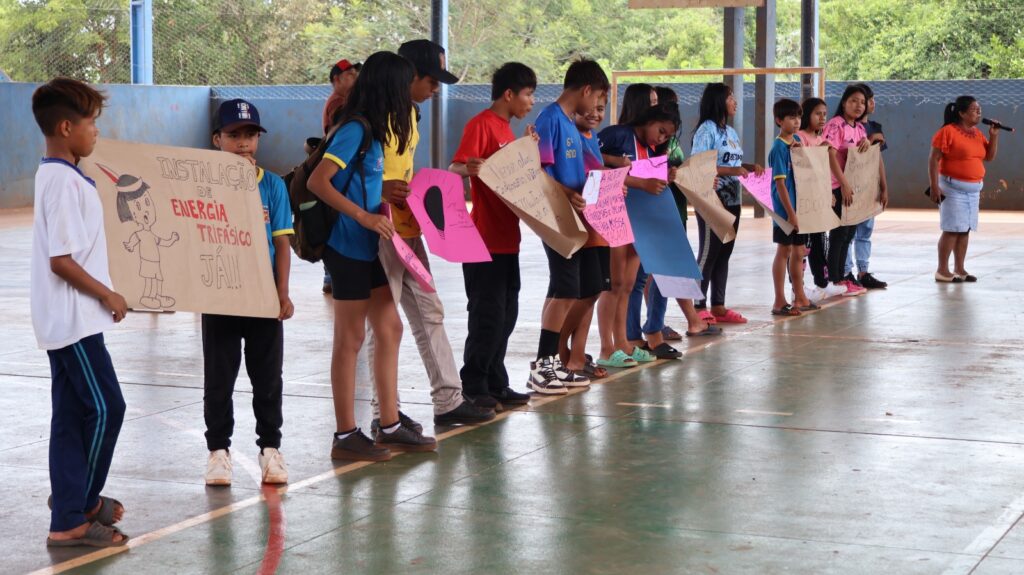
column 425, row 315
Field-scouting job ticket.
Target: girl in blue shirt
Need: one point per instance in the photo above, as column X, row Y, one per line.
column 717, row 105
column 350, row 179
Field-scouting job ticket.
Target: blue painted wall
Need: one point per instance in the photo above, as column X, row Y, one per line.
column 171, row 115
column 909, row 111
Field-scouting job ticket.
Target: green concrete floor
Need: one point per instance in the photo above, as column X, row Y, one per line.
column 880, row 435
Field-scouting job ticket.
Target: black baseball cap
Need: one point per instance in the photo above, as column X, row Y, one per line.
column 429, row 59
column 238, row 112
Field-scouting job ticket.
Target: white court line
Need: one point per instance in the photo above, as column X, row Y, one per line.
column 983, row 544
column 757, row 412
column 252, row 469
column 661, row 405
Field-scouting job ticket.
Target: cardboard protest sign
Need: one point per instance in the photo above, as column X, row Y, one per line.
column 814, row 189
column 760, row 188
column 185, row 229
column 660, row 239
column 408, row 257
column 516, row 176
column 696, row 178
column 863, row 175
column 608, row 216
column 656, row 168
column 437, row 200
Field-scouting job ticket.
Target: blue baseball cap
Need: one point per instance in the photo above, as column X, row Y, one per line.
column 236, row 113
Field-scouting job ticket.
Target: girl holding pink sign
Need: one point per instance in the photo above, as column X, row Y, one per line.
column 350, row 180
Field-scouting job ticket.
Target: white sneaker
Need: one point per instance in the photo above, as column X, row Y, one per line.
column 568, row 377
column 218, row 468
column 814, row 293
column 272, row 466
column 543, row 379
column 832, row 290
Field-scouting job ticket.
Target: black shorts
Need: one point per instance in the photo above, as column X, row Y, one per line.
column 353, row 279
column 578, row 277
column 791, row 239
column 604, row 259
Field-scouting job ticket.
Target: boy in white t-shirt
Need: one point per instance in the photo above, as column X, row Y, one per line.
column 72, row 304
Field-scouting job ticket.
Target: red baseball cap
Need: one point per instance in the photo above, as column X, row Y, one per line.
column 343, row 66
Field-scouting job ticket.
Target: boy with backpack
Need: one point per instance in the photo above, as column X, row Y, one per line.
column 237, row 130
column 72, row 304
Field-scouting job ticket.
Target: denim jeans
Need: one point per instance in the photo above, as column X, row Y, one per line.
column 861, row 247
column 657, row 306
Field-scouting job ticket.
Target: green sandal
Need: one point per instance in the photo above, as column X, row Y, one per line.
column 618, row 359
column 641, row 355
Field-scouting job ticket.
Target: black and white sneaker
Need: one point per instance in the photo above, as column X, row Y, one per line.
column 568, row 377
column 543, row 379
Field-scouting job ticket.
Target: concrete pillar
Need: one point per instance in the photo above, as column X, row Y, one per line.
column 141, row 28
column 764, row 98
column 809, row 41
column 439, row 105
column 734, row 59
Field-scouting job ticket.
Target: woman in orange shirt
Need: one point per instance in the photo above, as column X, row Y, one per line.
column 956, row 172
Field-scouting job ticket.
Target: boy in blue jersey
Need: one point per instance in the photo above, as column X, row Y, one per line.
column 790, row 251
column 238, row 130
column 579, row 277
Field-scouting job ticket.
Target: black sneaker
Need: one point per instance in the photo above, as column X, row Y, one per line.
column 357, row 447
column 402, row 418
column 482, row 401
column 852, row 279
column 405, row 438
column 466, row 414
column 508, row 398
column 871, row 282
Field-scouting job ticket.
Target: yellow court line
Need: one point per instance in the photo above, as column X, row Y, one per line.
column 158, row 534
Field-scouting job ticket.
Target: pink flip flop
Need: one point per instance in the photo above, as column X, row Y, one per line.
column 708, row 317
column 731, row 316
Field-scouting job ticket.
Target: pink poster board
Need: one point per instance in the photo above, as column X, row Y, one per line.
column 409, row 259
column 656, row 168
column 437, row 200
column 608, row 216
column 760, row 188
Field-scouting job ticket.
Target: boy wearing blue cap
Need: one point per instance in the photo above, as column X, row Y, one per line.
column 237, row 130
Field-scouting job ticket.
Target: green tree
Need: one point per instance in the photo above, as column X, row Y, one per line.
column 82, row 39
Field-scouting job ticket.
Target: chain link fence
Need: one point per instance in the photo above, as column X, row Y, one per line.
column 294, row 42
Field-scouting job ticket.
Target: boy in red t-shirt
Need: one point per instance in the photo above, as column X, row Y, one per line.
column 492, row 288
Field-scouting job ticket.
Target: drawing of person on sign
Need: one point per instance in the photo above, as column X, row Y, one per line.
column 135, row 204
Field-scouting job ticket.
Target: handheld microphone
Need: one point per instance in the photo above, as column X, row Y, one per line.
column 996, row 125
